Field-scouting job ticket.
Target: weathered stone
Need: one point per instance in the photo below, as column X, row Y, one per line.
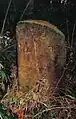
column 41, row 53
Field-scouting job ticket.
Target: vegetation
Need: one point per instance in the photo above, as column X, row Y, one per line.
column 31, row 105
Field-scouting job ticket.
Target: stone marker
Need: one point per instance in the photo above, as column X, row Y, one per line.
column 41, row 53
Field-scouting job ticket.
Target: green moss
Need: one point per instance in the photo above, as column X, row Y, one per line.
column 56, row 30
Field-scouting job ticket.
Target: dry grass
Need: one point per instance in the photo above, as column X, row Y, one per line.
column 37, row 105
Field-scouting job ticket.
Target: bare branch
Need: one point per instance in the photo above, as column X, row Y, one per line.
column 52, row 108
column 73, row 33
column 59, row 81
column 61, row 77
column 67, row 32
column 66, row 13
column 25, row 9
column 2, row 30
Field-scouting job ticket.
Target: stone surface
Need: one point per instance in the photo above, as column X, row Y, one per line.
column 41, row 53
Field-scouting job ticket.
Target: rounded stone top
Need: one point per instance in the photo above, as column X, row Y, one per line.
column 42, row 23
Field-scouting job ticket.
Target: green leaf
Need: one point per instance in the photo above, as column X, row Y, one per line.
column 4, row 115
column 12, row 116
column 2, row 74
column 74, row 95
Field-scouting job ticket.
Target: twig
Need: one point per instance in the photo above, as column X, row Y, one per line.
column 67, row 26
column 59, row 81
column 25, row 9
column 3, row 50
column 61, row 77
column 73, row 33
column 74, row 67
column 5, row 17
column 69, row 107
column 67, row 32
column 52, row 108
column 43, row 103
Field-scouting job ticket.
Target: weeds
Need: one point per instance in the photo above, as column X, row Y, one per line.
column 31, row 105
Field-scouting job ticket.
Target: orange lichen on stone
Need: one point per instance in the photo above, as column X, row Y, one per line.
column 41, row 48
